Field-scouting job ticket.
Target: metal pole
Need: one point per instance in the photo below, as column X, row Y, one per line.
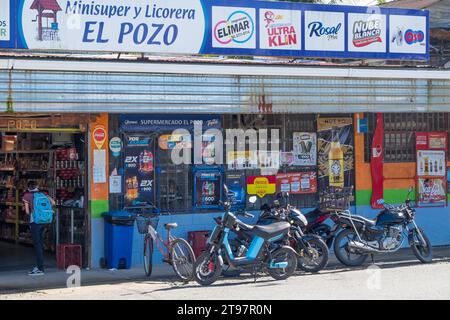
column 71, row 226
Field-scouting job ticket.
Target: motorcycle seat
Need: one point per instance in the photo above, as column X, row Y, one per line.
column 271, row 230
column 244, row 226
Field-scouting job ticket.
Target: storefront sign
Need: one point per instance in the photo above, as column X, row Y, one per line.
column 99, row 136
column 297, row 182
column 261, row 185
column 242, row 27
column 115, row 145
column 166, row 122
column 305, row 149
column 208, row 187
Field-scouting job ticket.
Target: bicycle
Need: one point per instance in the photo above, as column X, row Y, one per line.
column 176, row 251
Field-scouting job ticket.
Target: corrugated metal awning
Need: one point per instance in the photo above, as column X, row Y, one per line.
column 40, row 86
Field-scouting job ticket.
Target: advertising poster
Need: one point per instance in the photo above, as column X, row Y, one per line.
column 297, row 182
column 325, row 31
column 233, row 27
column 335, row 152
column 431, row 162
column 235, row 182
column 305, row 148
column 269, row 159
column 139, row 170
column 432, row 192
column 242, row 160
column 280, row 29
column 208, row 187
column 366, row 32
column 261, row 185
column 287, row 158
column 407, row 35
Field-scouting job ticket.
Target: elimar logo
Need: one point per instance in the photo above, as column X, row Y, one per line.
column 366, row 32
column 47, row 19
column 239, row 27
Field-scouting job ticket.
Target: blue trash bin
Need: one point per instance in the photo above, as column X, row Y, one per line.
column 119, row 227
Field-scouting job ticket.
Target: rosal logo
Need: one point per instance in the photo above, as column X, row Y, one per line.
column 239, row 27
column 366, row 32
column 47, row 19
column 318, row 29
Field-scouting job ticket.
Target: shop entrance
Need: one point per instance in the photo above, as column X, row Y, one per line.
column 56, row 159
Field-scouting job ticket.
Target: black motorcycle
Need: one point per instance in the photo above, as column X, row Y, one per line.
column 386, row 233
column 312, row 251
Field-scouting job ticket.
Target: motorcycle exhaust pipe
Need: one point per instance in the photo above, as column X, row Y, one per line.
column 362, row 246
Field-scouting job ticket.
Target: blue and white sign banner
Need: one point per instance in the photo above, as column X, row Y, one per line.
column 241, row 27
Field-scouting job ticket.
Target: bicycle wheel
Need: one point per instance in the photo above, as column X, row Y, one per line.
column 183, row 259
column 148, row 253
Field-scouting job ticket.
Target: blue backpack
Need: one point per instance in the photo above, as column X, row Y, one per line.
column 42, row 209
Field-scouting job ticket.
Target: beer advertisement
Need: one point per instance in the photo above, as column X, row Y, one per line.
column 335, row 149
column 305, row 149
column 139, row 170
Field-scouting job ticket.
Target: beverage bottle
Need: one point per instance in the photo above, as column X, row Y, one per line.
column 336, row 160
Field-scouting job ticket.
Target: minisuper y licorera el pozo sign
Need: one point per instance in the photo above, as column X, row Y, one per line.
column 259, row 28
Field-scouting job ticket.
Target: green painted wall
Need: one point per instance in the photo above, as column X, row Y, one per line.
column 98, row 207
column 391, row 196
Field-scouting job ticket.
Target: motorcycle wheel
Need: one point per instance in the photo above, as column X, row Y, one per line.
column 324, row 231
column 207, row 268
column 424, row 254
column 313, row 258
column 342, row 252
column 283, row 255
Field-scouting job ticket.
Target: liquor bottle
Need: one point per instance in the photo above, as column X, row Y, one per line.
column 426, row 165
column 336, row 160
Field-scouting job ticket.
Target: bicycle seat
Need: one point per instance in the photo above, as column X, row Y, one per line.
column 171, row 225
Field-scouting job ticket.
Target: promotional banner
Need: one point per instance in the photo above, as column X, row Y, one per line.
column 431, row 161
column 139, row 171
column 241, row 27
column 261, row 185
column 297, row 182
column 335, row 152
column 208, row 188
column 235, row 182
column 242, row 160
column 305, row 148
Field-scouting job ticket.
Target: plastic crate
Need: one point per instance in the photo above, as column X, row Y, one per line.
column 69, row 255
column 197, row 240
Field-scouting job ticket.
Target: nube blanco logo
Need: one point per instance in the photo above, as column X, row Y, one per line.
column 366, row 32
column 238, row 28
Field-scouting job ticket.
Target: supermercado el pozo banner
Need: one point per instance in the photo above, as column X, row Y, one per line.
column 259, row 28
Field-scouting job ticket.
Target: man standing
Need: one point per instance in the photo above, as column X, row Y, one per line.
column 38, row 206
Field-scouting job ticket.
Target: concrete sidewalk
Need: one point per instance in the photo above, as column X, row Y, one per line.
column 19, row 281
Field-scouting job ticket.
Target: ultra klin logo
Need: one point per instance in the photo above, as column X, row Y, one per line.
column 366, row 32
column 238, row 27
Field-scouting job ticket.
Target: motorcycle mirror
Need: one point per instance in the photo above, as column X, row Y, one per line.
column 252, row 199
column 380, row 201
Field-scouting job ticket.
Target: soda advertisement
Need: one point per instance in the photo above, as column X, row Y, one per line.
column 432, row 192
column 297, row 182
column 241, row 27
column 208, row 188
column 335, row 149
column 139, row 171
column 431, row 162
column 305, row 148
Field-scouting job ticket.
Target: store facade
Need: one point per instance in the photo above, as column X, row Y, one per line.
column 318, row 114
